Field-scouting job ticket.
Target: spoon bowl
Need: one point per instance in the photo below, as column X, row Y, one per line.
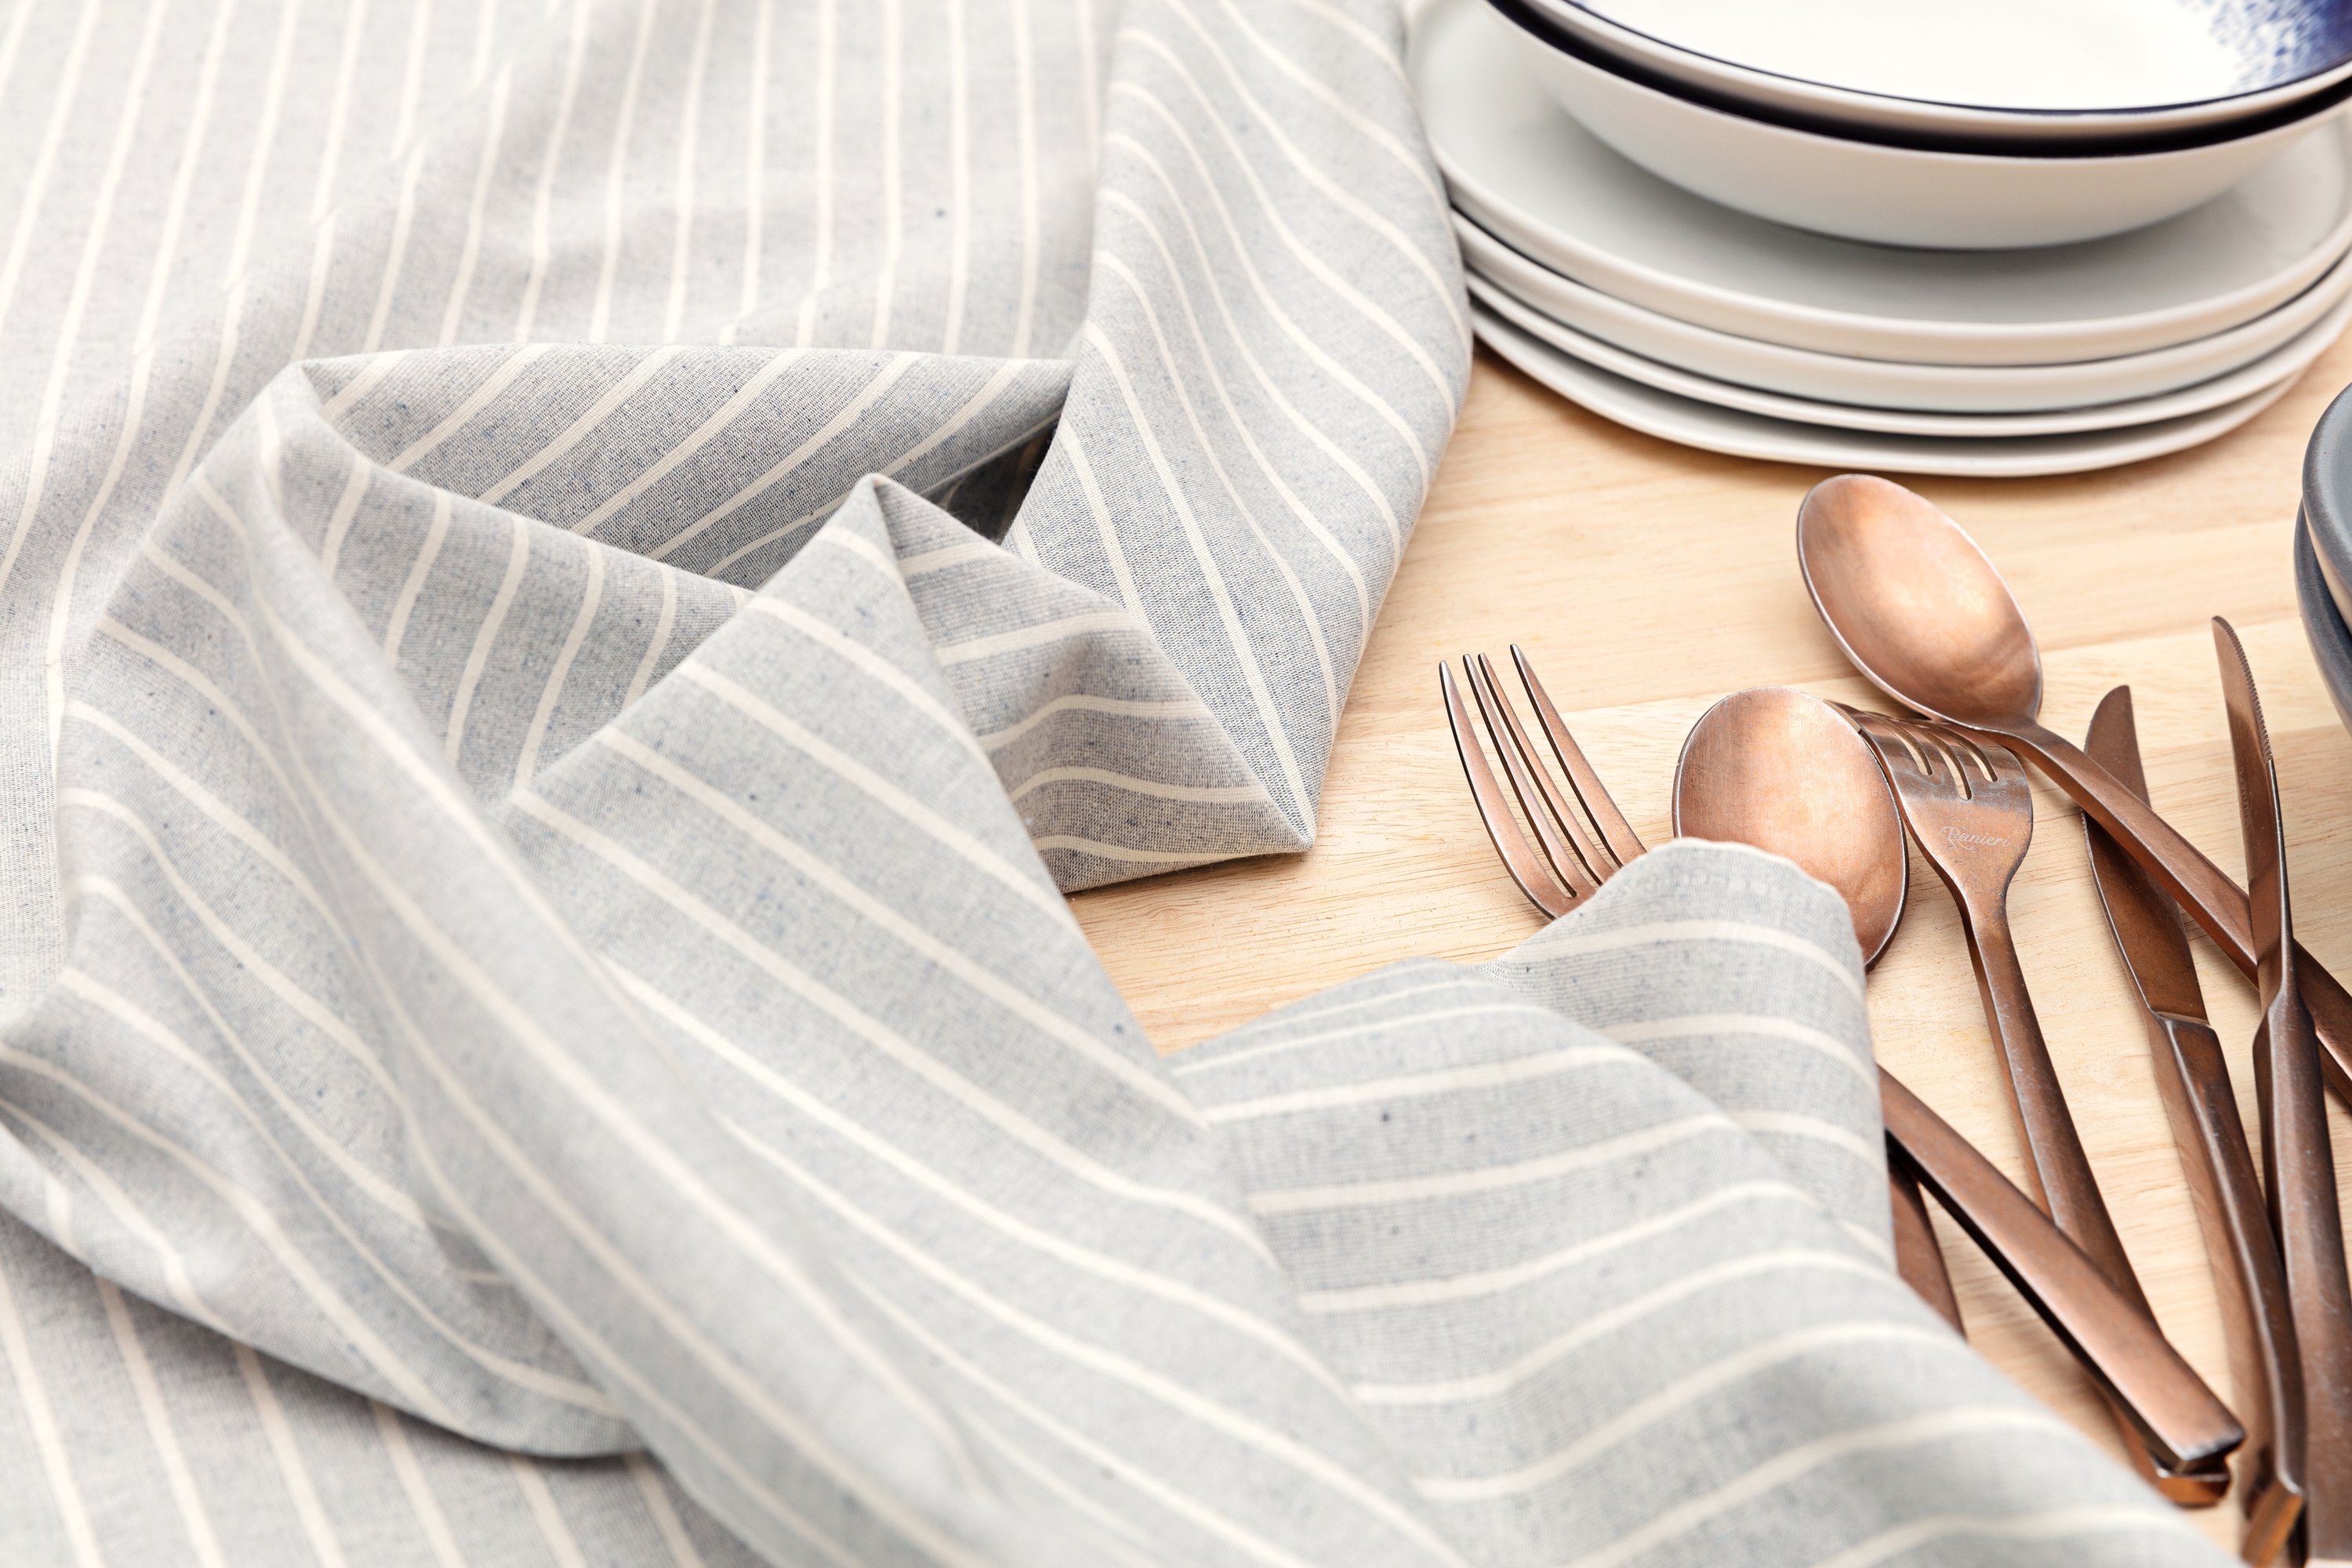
column 1915, row 605
column 1784, row 772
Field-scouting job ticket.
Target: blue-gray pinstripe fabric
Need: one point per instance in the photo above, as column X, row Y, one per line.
column 576, row 583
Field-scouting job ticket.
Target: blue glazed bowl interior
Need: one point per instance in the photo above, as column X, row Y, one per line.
column 2244, row 46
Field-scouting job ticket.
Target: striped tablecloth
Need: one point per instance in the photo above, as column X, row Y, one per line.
column 538, row 1022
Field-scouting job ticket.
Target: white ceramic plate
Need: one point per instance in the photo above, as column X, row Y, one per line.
column 1893, row 195
column 1891, row 383
column 2099, row 70
column 1530, row 174
column 2280, row 363
column 1713, row 429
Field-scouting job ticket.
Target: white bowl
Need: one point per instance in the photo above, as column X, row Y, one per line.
column 1893, row 195
column 2034, row 77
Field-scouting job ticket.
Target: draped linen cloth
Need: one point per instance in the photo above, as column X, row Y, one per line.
column 538, row 1022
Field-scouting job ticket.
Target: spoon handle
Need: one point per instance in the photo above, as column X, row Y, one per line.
column 1919, row 1256
column 2176, row 1414
column 2198, row 886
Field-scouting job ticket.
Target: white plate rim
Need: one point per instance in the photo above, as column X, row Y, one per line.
column 2067, row 385
column 2287, row 360
column 1871, row 337
column 1777, row 441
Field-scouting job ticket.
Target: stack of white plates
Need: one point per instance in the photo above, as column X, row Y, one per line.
column 1684, row 318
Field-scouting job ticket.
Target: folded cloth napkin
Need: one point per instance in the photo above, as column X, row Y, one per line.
column 537, row 1017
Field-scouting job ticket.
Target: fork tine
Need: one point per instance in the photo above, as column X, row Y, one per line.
column 1890, row 738
column 1944, row 753
column 1519, row 857
column 1590, row 858
column 1566, row 863
column 1967, row 745
column 1615, row 831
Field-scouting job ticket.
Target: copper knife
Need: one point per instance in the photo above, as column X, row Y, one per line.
column 2203, row 1107
column 2296, row 1158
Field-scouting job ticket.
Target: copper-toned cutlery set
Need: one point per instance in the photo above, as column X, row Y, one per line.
column 1923, row 614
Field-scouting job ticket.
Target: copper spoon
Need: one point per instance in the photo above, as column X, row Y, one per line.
column 1920, row 611
column 1784, row 772
column 1764, row 733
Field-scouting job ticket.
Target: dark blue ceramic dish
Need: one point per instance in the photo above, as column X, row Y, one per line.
column 2323, row 626
column 2327, row 498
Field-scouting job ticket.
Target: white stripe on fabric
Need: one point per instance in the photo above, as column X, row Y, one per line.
column 1393, row 1295
column 49, row 1438
column 202, row 1541
column 1489, row 1178
column 1942, row 1426
column 1422, row 1084
column 1357, row 1031
column 1502, row 1382
column 881, row 790
column 1082, row 702
column 1139, row 1077
column 954, row 1085
column 2045, row 1524
column 905, row 1164
column 1703, row 1380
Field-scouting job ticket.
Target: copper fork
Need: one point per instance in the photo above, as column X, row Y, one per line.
column 1970, row 810
column 2172, row 1411
column 1580, row 851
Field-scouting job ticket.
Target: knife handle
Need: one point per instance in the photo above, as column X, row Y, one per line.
column 2308, row 1225
column 2193, row 1079
column 2170, row 1407
column 2331, row 1016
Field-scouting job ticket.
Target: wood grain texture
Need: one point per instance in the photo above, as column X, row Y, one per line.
column 1646, row 580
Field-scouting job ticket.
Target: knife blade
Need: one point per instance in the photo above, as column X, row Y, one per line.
column 2147, row 923
column 2199, row 1102
column 2295, row 1154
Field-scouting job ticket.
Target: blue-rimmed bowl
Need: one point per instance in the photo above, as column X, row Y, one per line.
column 1874, row 189
column 2022, row 76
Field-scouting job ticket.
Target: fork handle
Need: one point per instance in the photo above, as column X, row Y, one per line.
column 2059, row 1170
column 2170, row 1408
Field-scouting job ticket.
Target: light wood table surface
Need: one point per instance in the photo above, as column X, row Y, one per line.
column 1646, row 580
